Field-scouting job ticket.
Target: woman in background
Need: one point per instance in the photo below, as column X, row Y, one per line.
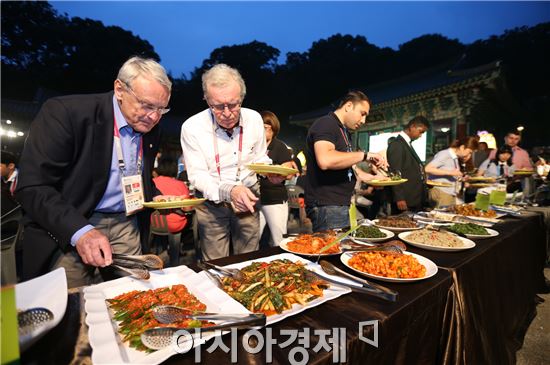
column 445, row 168
column 500, row 166
column 273, row 197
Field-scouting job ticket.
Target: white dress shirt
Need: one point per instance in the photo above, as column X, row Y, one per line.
column 197, row 142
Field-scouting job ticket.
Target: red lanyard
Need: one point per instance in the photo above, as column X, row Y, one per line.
column 118, row 148
column 348, row 144
column 217, row 153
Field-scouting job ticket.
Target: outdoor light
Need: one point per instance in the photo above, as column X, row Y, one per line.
column 20, row 134
column 520, row 128
column 445, row 129
column 8, row 121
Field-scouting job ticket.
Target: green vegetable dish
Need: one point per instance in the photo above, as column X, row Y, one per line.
column 468, row 228
column 369, row 232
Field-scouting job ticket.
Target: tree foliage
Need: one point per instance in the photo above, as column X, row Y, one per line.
column 44, row 49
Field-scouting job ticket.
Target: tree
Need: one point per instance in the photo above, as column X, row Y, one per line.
column 41, row 48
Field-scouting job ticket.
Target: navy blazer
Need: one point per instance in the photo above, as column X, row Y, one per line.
column 64, row 170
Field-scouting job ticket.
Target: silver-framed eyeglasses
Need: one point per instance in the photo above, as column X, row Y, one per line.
column 220, row 108
column 145, row 106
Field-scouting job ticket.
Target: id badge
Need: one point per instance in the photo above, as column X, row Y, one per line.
column 132, row 190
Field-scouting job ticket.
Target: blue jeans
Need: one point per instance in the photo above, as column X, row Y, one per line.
column 328, row 217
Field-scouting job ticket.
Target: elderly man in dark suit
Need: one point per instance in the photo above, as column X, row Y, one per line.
column 80, row 151
column 412, row 195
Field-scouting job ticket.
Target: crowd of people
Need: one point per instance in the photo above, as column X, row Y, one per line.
column 87, row 168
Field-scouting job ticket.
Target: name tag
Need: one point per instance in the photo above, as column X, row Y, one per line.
column 132, row 190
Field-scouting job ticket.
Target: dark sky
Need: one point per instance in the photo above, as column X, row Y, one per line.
column 184, row 33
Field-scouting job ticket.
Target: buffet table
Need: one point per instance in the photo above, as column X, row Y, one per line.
column 475, row 310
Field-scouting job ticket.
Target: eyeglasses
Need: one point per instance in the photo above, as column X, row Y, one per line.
column 221, row 107
column 145, row 106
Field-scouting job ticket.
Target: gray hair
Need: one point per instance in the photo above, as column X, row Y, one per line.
column 146, row 67
column 221, row 75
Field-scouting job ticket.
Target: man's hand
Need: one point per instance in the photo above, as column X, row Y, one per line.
column 401, row 205
column 94, row 249
column 377, row 159
column 243, row 199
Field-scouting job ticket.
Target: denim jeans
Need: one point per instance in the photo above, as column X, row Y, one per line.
column 328, row 217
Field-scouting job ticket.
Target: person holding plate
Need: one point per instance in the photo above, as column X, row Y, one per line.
column 218, row 144
column 446, row 168
column 85, row 171
column 331, row 163
column 274, row 197
column 411, row 195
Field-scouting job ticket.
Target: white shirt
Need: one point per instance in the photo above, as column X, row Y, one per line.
column 197, row 143
column 446, row 160
column 405, row 137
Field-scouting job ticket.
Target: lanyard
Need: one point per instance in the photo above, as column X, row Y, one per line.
column 217, row 153
column 348, row 144
column 118, row 148
column 348, row 148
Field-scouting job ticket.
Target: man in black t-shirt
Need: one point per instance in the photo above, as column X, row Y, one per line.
column 331, row 163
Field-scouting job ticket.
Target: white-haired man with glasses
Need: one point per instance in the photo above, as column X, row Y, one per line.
column 85, row 171
column 218, row 144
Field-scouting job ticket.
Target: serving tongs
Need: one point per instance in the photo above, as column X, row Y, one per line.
column 151, row 262
column 161, row 337
column 213, row 277
column 397, row 247
column 225, row 271
column 366, row 287
column 137, row 271
column 392, row 174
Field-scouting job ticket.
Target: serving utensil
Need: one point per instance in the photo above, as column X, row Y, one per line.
column 139, row 271
column 362, row 248
column 232, row 273
column 161, row 337
column 336, row 240
column 368, row 287
column 169, row 314
column 213, row 277
column 32, row 319
column 151, row 262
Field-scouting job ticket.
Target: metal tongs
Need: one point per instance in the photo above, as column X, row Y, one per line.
column 392, row 174
column 225, row 271
column 366, row 287
column 161, row 337
column 137, row 265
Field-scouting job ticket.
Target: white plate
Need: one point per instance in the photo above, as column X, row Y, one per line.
column 283, row 245
column 333, row 292
column 467, row 243
column 492, row 233
column 431, row 268
column 389, row 234
column 46, row 291
column 395, row 229
column 107, row 347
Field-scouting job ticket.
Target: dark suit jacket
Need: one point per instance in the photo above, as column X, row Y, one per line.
column 402, row 157
column 64, row 170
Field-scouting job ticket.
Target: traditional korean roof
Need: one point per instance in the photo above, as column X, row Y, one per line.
column 419, row 86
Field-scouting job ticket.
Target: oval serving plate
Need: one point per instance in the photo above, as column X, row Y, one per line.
column 365, row 240
column 283, row 245
column 395, row 229
column 468, row 244
column 431, row 268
